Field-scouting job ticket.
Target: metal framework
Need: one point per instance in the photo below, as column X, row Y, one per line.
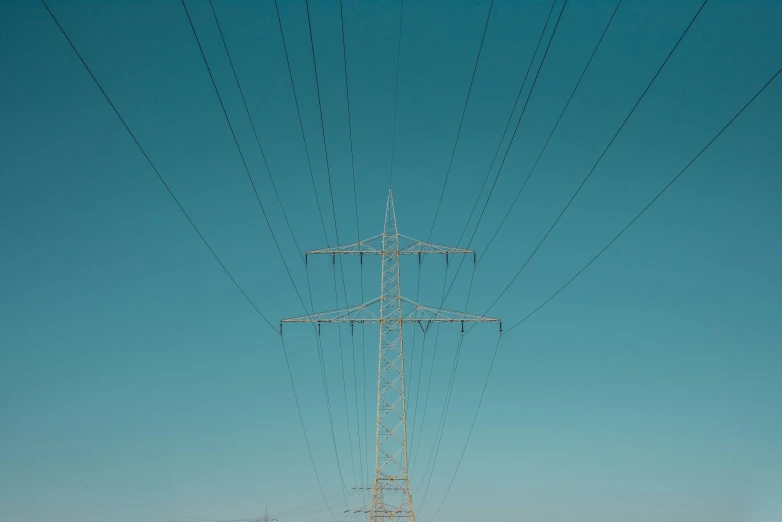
column 266, row 517
column 391, row 497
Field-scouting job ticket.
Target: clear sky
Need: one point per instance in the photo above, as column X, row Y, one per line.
column 136, row 383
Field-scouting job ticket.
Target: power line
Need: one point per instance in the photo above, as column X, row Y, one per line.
column 440, row 427
column 155, row 169
column 522, row 113
column 336, row 230
column 391, row 492
column 416, row 447
column 507, row 123
column 306, row 507
column 252, row 125
column 301, row 123
column 585, row 179
column 461, row 120
column 325, row 234
column 322, row 123
column 271, row 179
column 510, row 143
column 521, row 116
column 449, row 392
column 444, row 414
column 306, row 439
column 590, row 172
column 600, row 157
column 241, row 155
column 654, row 200
column 537, row 160
column 588, row 264
column 420, row 373
column 556, row 125
column 358, row 238
column 469, row 433
column 200, row 235
column 252, row 182
column 444, row 294
column 439, row 203
column 396, row 90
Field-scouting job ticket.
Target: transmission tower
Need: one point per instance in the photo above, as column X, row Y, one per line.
column 266, row 517
column 391, row 497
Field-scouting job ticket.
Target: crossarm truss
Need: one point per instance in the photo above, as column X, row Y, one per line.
column 412, row 312
column 373, row 247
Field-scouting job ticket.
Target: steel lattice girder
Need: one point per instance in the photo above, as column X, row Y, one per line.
column 391, row 497
column 366, row 313
column 370, row 247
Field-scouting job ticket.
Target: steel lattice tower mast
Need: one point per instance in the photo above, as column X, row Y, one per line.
column 266, row 517
column 391, row 497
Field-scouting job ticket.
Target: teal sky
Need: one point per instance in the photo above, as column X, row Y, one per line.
column 136, row 383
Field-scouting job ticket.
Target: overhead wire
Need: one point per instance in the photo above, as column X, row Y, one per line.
column 241, row 155
column 512, row 327
column 496, row 152
column 336, row 231
column 396, row 90
column 308, row 505
column 593, row 259
column 318, row 343
column 311, row 509
column 306, row 439
column 247, row 170
column 414, row 447
column 652, row 202
column 442, row 192
column 438, row 437
column 155, row 169
column 193, row 225
column 271, row 179
column 602, row 154
column 508, row 122
column 301, row 122
column 362, row 464
column 443, row 417
column 418, row 384
column 498, row 148
column 254, row 129
column 448, row 170
column 600, row 157
column 469, row 292
column 553, row 130
column 461, row 120
column 469, row 433
column 306, row 509
column 507, row 149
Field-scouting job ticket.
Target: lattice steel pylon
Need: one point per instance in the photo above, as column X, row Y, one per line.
column 391, row 497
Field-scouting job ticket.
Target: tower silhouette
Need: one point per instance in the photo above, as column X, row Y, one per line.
column 391, row 497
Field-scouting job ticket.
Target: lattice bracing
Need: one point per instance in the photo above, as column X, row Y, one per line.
column 391, row 497
column 412, row 312
column 373, row 246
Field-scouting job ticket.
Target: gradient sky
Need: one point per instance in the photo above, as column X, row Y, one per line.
column 137, row 384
